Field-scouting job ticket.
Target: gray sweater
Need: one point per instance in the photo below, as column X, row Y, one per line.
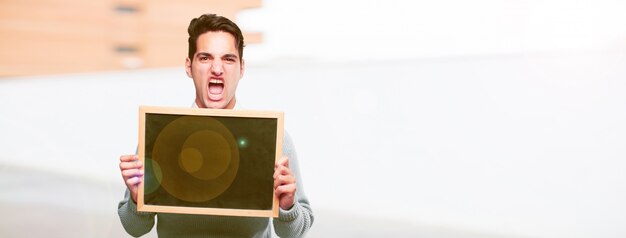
column 292, row 223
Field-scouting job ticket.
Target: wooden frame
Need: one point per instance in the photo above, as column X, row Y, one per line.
column 209, row 161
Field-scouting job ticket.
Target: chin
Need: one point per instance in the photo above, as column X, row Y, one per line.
column 215, row 105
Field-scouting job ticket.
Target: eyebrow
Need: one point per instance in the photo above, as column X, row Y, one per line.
column 231, row 56
column 201, row 54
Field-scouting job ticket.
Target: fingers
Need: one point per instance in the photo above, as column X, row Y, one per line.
column 288, row 189
column 282, row 167
column 128, row 158
column 284, row 183
column 284, row 180
column 131, row 169
column 130, row 162
column 131, row 173
column 135, row 164
column 286, row 195
column 133, row 186
column 132, row 177
column 133, row 181
column 283, row 161
column 283, row 175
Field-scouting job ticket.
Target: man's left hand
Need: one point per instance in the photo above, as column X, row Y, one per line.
column 284, row 183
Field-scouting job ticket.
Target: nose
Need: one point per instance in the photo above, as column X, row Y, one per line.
column 217, row 68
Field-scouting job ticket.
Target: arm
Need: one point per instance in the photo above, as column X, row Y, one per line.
column 135, row 223
column 295, row 215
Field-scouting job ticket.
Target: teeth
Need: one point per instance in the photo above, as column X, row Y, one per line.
column 215, row 81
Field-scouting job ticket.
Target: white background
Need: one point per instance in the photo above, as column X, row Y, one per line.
column 496, row 118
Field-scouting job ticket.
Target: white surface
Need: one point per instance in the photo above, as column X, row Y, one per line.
column 513, row 146
column 364, row 30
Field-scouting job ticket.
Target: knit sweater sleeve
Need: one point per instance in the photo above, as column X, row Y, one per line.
column 135, row 223
column 296, row 221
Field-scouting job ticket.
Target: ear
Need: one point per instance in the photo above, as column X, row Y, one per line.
column 188, row 67
column 243, row 68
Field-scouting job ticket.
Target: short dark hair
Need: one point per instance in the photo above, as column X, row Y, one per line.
column 213, row 23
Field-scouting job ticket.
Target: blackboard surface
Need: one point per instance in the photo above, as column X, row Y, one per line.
column 203, row 161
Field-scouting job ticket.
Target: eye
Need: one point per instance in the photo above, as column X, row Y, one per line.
column 202, row 57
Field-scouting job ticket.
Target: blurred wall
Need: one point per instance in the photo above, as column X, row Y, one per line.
column 353, row 30
column 68, row 36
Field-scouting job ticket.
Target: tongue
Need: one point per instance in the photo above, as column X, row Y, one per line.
column 216, row 88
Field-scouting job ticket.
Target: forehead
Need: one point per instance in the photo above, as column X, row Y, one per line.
column 216, row 43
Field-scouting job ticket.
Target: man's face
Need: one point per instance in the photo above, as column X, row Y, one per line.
column 216, row 69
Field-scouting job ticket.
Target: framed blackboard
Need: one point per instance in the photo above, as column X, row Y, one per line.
column 209, row 161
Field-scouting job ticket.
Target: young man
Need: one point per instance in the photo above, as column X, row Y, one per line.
column 216, row 65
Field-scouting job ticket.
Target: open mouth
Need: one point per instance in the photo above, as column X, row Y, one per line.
column 216, row 89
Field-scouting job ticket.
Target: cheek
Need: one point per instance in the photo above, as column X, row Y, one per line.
column 234, row 82
column 238, row 72
column 198, row 82
column 198, row 76
column 199, row 69
column 196, row 71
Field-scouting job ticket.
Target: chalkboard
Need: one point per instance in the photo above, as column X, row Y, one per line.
column 209, row 161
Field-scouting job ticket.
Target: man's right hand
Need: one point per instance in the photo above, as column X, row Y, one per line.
column 130, row 166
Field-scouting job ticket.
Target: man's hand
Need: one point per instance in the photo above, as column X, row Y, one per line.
column 131, row 173
column 284, row 183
